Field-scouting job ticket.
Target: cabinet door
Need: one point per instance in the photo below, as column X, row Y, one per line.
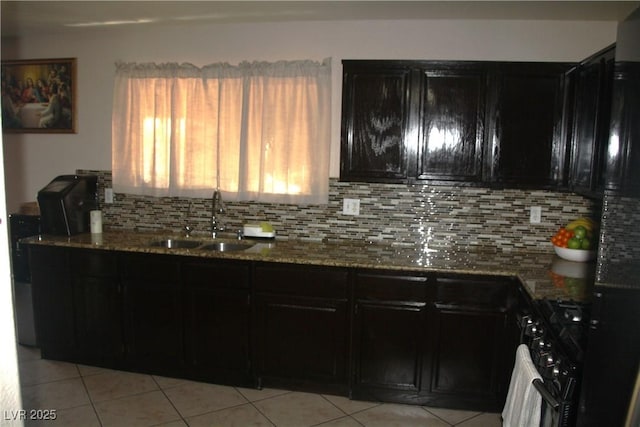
column 53, row 302
column 302, row 339
column 452, row 125
column 98, row 307
column 153, row 314
column 592, row 109
column 472, row 341
column 469, row 343
column 375, row 122
column 526, row 134
column 217, row 310
column 390, row 346
column 301, row 325
column 623, row 154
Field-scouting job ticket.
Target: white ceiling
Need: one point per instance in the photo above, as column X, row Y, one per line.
column 20, row 18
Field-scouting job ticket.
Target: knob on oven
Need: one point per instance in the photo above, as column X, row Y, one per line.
column 549, row 359
column 534, row 329
column 541, row 344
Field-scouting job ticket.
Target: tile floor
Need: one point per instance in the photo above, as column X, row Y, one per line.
column 87, row 396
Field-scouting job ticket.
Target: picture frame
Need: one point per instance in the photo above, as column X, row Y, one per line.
column 39, row 95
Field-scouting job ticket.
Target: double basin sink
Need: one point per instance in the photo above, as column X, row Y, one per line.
column 218, row 246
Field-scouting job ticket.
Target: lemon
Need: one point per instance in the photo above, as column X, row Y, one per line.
column 266, row 227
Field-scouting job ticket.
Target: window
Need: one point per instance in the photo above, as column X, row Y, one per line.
column 257, row 131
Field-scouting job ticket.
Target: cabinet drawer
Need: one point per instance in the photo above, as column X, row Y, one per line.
column 302, row 280
column 48, row 259
column 92, row 262
column 394, row 286
column 227, row 274
column 478, row 291
column 161, row 268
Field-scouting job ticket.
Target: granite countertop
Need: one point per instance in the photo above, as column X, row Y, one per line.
column 541, row 273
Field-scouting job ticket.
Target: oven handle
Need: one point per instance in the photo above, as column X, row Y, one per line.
column 539, row 385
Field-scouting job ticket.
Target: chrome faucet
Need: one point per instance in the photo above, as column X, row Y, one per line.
column 217, row 208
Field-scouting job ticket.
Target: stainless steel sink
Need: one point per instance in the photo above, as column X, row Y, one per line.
column 227, row 246
column 176, row 244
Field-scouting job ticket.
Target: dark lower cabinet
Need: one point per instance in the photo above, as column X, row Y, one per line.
column 53, row 303
column 390, row 344
column 217, row 313
column 467, row 354
column 433, row 340
column 301, row 327
column 153, row 318
column 472, row 345
column 398, row 336
column 97, row 299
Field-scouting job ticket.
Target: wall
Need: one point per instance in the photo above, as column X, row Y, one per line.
column 10, row 398
column 32, row 160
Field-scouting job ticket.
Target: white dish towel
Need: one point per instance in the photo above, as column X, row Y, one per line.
column 524, row 402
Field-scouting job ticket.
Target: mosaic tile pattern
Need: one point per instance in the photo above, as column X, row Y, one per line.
column 619, row 248
column 424, row 215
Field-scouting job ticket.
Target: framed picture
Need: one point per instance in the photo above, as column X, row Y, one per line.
column 39, row 96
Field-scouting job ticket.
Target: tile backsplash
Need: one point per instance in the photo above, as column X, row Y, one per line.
column 424, row 215
column 619, row 253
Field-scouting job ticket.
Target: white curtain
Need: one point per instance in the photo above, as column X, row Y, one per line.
column 257, row 131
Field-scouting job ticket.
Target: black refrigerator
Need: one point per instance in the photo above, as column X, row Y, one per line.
column 609, row 394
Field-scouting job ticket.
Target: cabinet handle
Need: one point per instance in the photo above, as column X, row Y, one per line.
column 469, row 307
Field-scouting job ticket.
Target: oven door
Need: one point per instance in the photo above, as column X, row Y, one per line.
column 554, row 413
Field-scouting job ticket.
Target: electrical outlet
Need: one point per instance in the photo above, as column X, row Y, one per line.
column 535, row 215
column 108, row 195
column 351, row 207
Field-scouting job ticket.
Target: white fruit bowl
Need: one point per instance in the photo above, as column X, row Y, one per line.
column 578, row 255
column 572, row 269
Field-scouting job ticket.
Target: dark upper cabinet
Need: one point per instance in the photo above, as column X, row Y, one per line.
column 527, row 122
column 482, row 123
column 593, row 80
column 622, row 173
column 375, row 125
column 452, row 118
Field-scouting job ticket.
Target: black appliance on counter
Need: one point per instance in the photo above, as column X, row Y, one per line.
column 65, row 204
column 21, row 226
